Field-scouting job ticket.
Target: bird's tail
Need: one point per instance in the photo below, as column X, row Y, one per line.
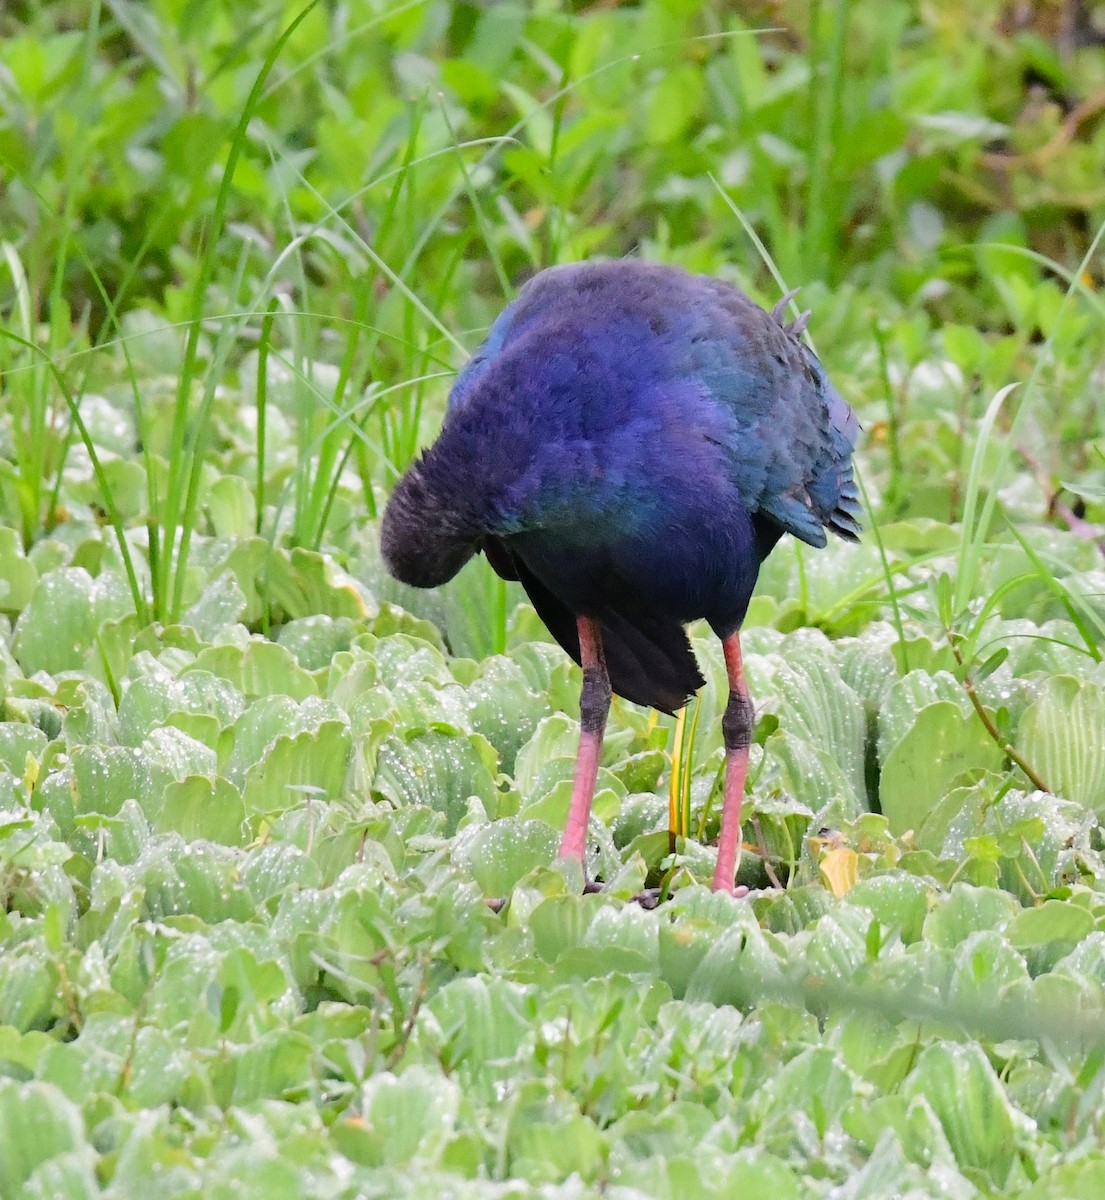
column 648, row 657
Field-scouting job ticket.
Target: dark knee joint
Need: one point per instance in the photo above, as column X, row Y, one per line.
column 738, row 722
column 594, row 700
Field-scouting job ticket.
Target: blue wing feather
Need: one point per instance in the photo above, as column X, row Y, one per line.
column 791, row 449
column 604, row 355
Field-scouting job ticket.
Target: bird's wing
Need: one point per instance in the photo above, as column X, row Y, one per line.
column 793, row 434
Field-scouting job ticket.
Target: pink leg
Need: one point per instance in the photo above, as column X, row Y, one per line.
column 594, row 704
column 737, row 726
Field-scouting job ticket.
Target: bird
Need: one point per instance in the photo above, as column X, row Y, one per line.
column 630, row 442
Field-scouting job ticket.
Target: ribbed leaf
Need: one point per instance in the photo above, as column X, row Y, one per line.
column 1062, row 736
column 939, row 746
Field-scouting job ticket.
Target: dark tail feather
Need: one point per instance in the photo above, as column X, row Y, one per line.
column 845, row 517
column 649, row 658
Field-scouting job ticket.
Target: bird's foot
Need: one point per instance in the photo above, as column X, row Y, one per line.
column 647, row 898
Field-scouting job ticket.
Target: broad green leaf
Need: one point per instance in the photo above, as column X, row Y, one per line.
column 271, row 870
column 22, row 1052
column 966, row 910
column 503, row 707
column 202, row 806
column 548, row 1138
column 1063, row 736
column 1053, row 921
column 294, row 770
column 438, row 770
column 273, row 1065
column 550, row 673
column 57, row 629
column 734, row 970
column 315, row 640
column 126, row 492
column 868, row 666
column 639, row 815
column 100, row 779
column 160, row 1068
column 418, row 704
column 500, row 853
column 90, row 715
column 556, row 737
column 27, row 991
column 69, row 1176
column 813, row 1083
column 987, row 971
column 353, row 674
column 553, row 799
column 899, row 901
column 230, row 507
column 909, row 696
column 967, row 1098
column 37, row 1123
column 403, row 658
column 814, row 776
column 269, row 718
column 18, row 743
column 818, row 707
column 151, row 700
column 200, row 879
column 392, row 620
column 179, row 754
column 222, row 604
column 405, row 1117
column 1085, row 1176
column 481, row 1026
column 939, row 746
column 258, row 669
column 18, row 577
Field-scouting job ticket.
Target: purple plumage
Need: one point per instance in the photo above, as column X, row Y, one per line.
column 630, row 442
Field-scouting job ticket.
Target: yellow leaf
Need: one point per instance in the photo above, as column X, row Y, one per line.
column 840, row 869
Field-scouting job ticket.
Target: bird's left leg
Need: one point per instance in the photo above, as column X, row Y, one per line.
column 736, row 726
column 594, row 704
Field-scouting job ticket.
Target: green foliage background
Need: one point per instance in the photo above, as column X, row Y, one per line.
column 254, row 795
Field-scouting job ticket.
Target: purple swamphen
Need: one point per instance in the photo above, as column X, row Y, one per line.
column 630, row 442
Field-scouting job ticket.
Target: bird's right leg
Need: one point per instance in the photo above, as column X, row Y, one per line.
column 736, row 726
column 594, row 704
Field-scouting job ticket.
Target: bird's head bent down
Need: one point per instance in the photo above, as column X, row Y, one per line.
column 426, row 535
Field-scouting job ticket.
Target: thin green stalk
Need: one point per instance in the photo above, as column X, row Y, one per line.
column 191, row 468
column 826, row 92
column 975, row 532
column 262, row 411
column 183, row 449
column 1009, row 750
column 888, row 574
column 1080, row 620
column 477, row 208
column 97, row 469
column 897, row 487
column 682, row 762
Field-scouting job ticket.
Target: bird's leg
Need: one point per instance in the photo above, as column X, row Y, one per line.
column 736, row 726
column 594, row 704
